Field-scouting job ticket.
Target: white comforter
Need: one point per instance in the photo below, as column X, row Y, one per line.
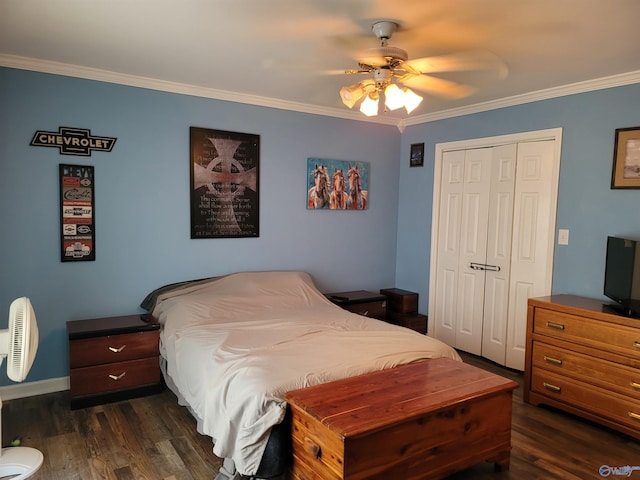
column 235, row 345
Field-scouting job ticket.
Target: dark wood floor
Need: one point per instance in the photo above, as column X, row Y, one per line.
column 152, row 438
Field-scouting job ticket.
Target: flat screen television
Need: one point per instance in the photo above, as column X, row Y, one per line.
column 622, row 275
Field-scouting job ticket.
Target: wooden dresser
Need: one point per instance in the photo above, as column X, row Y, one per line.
column 423, row 420
column 584, row 359
column 113, row 358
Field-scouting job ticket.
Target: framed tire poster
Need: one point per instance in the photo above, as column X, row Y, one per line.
column 77, row 213
column 224, row 184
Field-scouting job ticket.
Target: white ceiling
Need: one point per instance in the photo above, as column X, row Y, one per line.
column 285, row 53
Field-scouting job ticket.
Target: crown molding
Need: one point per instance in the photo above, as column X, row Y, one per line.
column 88, row 73
column 58, row 68
column 622, row 79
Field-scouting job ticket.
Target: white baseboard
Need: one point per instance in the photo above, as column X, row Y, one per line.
column 29, row 389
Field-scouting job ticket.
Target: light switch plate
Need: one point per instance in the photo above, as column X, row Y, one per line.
column 563, row 236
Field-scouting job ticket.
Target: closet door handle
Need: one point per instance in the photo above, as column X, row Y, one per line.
column 484, row 266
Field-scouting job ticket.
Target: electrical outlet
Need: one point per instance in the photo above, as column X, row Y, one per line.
column 563, row 236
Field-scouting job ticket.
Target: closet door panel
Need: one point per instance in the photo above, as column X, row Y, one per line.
column 449, row 215
column 473, row 249
column 532, row 251
column 498, row 253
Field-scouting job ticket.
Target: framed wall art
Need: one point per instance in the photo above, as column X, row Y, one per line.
column 626, row 158
column 77, row 213
column 337, row 185
column 225, row 200
column 416, row 157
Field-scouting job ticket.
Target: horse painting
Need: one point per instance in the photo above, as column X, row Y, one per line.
column 318, row 195
column 357, row 196
column 339, row 197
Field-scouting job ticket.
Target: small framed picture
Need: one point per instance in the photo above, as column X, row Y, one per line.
column 626, row 158
column 417, row 155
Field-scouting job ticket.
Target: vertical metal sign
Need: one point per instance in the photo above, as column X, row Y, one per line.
column 77, row 214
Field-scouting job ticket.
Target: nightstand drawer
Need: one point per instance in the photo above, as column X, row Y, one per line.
column 114, row 376
column 368, row 309
column 113, row 348
column 361, row 302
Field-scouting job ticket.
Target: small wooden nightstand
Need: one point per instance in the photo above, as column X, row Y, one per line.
column 112, row 359
column 365, row 303
column 402, row 309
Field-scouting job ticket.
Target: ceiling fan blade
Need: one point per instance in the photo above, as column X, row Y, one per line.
column 375, row 61
column 466, row 61
column 437, row 86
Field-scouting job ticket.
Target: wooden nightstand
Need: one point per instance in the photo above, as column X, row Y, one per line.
column 362, row 302
column 112, row 359
column 402, row 309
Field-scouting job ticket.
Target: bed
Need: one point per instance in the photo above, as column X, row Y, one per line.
column 232, row 346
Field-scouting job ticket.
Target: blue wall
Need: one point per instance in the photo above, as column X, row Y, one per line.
column 142, row 197
column 142, row 201
column 587, row 206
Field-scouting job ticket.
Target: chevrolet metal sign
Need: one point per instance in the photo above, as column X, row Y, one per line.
column 73, row 141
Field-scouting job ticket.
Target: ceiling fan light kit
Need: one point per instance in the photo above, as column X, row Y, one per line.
column 369, row 105
column 391, row 69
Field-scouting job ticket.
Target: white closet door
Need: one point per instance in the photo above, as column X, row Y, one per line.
column 498, row 253
column 473, row 249
column 451, row 189
column 533, row 238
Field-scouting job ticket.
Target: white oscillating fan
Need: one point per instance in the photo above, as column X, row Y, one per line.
column 19, row 344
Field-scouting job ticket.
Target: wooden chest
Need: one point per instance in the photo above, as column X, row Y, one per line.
column 401, row 301
column 423, row 420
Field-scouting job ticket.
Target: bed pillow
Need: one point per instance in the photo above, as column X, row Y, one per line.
column 149, row 302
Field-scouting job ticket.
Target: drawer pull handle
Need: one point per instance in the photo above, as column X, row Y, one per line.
column 117, row 377
column 117, row 350
column 555, row 326
column 636, row 344
column 634, row 415
column 551, row 387
column 555, row 361
column 635, row 385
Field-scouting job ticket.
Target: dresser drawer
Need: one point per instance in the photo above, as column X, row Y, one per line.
column 608, row 375
column 592, row 399
column 602, row 335
column 375, row 309
column 114, row 376
column 113, row 348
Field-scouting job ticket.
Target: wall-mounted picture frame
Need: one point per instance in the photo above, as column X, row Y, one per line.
column 337, row 185
column 626, row 158
column 416, row 158
column 225, row 200
column 77, row 213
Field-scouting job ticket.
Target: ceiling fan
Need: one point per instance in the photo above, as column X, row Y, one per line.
column 387, row 64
